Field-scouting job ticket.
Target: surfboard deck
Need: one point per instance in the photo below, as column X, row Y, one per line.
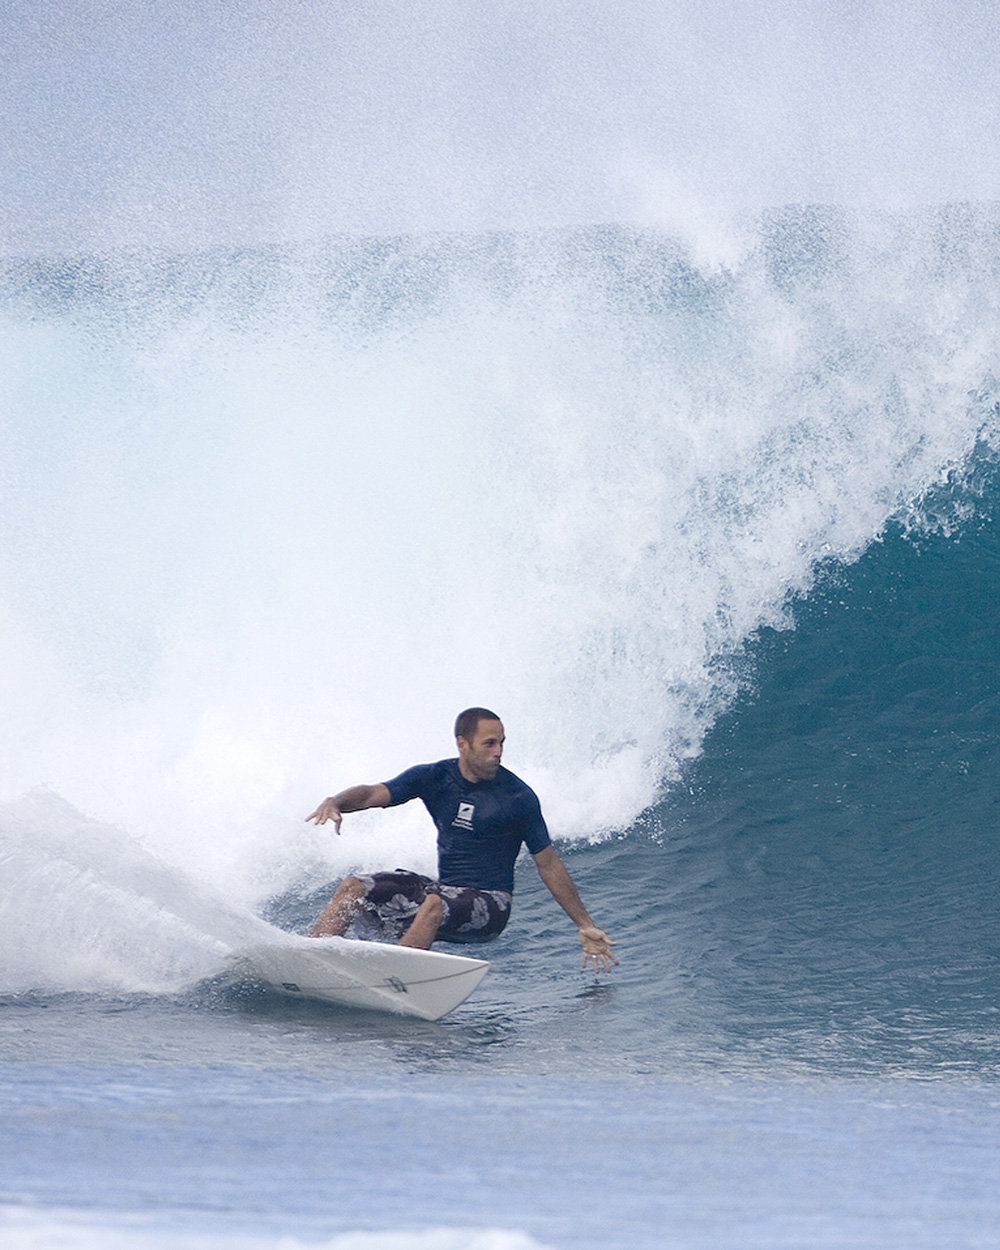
column 372, row 975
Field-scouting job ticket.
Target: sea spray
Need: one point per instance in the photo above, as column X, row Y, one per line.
column 272, row 517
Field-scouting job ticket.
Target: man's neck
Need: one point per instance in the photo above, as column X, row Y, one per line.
column 466, row 774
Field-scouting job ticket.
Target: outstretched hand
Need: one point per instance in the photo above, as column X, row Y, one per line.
column 597, row 946
column 327, row 810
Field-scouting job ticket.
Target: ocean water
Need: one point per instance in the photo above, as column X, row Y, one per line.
column 720, row 542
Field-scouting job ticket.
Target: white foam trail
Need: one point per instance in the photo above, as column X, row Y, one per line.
column 85, row 908
column 34, row 1229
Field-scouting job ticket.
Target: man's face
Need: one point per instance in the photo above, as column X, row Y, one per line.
column 480, row 758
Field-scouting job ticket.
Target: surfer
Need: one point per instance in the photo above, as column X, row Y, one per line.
column 483, row 814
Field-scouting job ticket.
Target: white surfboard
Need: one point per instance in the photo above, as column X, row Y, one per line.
column 374, row 975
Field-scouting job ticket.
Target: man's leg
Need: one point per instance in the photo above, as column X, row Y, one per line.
column 340, row 911
column 426, row 923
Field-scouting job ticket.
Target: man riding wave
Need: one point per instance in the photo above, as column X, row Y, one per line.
column 483, row 815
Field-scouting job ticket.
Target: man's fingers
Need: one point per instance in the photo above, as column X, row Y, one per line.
column 597, row 946
column 325, row 812
column 603, row 959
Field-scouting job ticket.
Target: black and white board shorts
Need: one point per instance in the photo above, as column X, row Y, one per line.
column 392, row 899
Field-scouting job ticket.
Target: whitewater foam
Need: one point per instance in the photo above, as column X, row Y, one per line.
column 26, row 1229
column 275, row 517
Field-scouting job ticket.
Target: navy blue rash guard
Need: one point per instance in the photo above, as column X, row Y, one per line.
column 480, row 824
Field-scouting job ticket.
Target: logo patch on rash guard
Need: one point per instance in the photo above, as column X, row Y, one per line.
column 464, row 818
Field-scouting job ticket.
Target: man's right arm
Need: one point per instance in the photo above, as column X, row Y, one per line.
column 353, row 799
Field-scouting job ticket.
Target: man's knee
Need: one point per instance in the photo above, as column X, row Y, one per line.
column 335, row 918
column 350, row 887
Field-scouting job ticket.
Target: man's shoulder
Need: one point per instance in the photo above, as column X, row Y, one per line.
column 438, row 767
column 512, row 783
column 523, row 805
column 420, row 778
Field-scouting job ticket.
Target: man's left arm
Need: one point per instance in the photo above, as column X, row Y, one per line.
column 595, row 942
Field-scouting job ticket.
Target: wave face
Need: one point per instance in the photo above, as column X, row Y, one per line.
column 833, row 877
column 717, row 541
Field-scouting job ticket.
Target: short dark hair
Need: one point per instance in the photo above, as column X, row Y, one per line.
column 468, row 721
